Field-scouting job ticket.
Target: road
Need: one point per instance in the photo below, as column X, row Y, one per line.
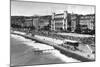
column 75, row 35
column 22, row 54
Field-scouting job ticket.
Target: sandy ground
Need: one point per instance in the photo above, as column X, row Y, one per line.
column 22, row 53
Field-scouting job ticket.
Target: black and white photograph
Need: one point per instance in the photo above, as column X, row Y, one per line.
column 43, row 33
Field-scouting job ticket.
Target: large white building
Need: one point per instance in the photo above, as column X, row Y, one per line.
column 59, row 21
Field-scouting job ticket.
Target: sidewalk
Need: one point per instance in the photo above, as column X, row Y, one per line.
column 75, row 35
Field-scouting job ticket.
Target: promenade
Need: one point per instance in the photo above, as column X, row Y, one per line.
column 82, row 56
column 22, row 53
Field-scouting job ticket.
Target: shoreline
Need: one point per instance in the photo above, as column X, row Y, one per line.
column 63, row 50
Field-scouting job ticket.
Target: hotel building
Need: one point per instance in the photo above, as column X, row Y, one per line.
column 59, row 21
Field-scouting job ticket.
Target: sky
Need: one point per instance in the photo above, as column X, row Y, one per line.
column 29, row 8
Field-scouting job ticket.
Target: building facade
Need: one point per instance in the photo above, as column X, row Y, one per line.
column 74, row 22
column 41, row 21
column 59, row 21
column 87, row 22
column 28, row 22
